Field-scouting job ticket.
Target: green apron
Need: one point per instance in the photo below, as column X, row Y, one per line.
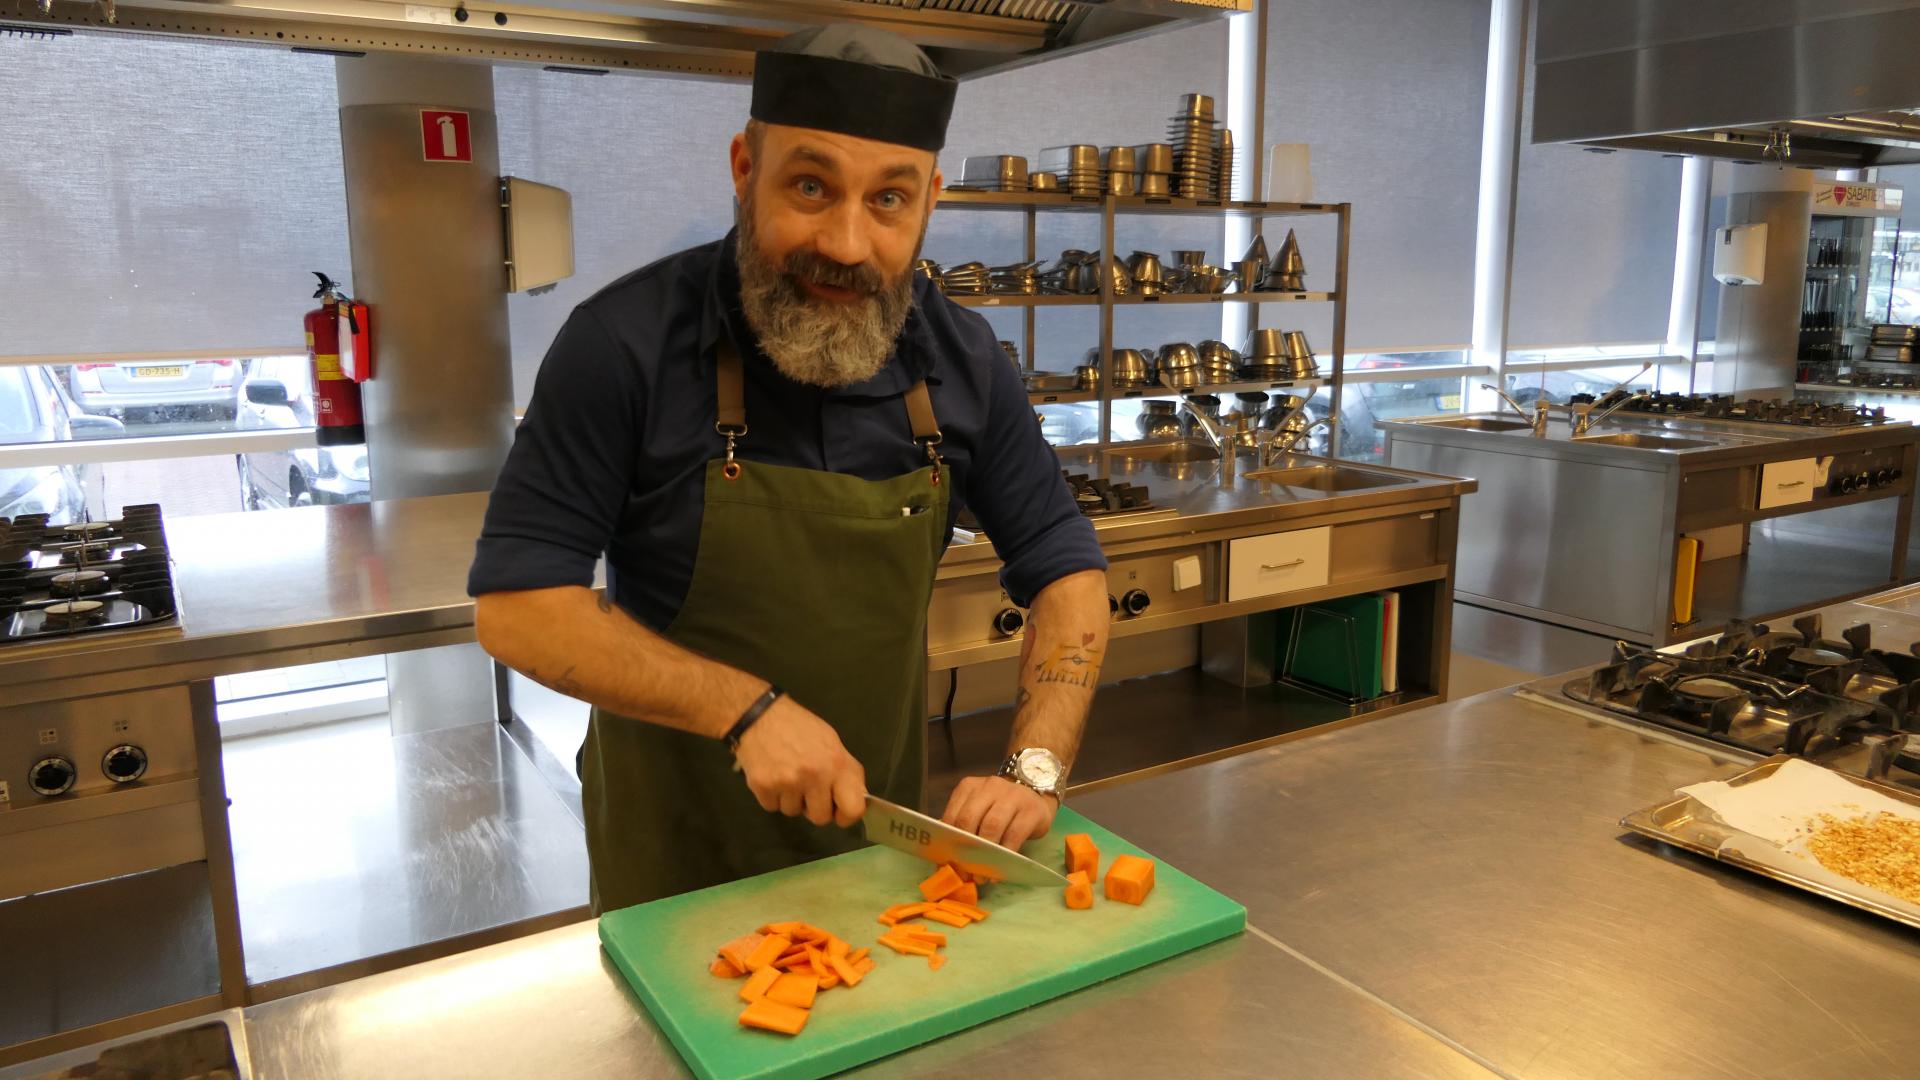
column 815, row 581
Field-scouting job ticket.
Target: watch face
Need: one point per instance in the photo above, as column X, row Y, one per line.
column 1040, row 769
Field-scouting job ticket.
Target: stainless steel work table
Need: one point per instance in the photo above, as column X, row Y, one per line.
column 1427, row 895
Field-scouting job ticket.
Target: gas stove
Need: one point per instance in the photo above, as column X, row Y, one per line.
column 1799, row 413
column 88, row 577
column 1874, row 380
column 1102, row 501
column 1843, row 703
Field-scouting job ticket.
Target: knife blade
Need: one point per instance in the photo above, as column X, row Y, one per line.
column 923, row 837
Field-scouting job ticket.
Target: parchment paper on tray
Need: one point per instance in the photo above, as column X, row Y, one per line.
column 1778, row 815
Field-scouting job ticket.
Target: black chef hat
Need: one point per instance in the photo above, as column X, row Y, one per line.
column 854, row 80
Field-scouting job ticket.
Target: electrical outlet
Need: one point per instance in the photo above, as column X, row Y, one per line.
column 49, row 736
column 121, row 727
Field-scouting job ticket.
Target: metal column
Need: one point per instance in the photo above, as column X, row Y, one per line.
column 1499, row 182
column 428, row 257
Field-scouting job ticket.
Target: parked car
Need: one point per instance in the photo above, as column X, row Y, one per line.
column 278, row 394
column 33, row 410
column 145, row 391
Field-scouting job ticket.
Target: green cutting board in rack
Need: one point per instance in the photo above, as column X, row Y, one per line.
column 1031, row 948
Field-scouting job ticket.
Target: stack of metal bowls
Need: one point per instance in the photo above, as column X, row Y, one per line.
column 1148, row 277
column 1179, row 366
column 1078, row 167
column 1191, row 131
column 1076, row 274
column 1223, row 167
column 1300, row 361
column 1155, row 163
column 1122, row 179
column 1043, row 181
column 1130, row 368
column 1160, row 420
column 994, row 172
column 928, row 268
column 1206, row 279
column 1218, row 363
column 1265, row 356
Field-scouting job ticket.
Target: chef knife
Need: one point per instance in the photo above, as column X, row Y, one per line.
column 934, row 840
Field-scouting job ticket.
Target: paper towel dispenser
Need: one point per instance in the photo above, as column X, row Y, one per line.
column 1740, row 254
column 538, row 223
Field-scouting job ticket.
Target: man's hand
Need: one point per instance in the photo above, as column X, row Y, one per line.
column 795, row 764
column 1001, row 811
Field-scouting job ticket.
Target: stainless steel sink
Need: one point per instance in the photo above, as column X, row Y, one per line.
column 1641, row 441
column 1326, row 478
column 1481, row 423
column 1171, row 453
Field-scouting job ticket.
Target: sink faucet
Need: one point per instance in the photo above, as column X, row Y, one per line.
column 1540, row 407
column 1584, row 419
column 1214, row 430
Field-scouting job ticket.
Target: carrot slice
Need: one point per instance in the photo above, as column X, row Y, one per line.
column 958, row 908
column 808, row 934
column 773, row 1016
column 795, row 990
column 829, row 981
column 1079, row 894
column 769, row 950
column 784, row 929
column 864, row 965
column 931, row 937
column 941, row 915
column 1083, row 855
column 906, row 946
column 967, row 894
column 906, row 911
column 942, row 884
column 1129, row 879
column 740, row 948
column 836, row 949
column 936, row 961
column 793, row 962
column 845, row 970
column 724, row 968
column 858, row 955
column 757, row 986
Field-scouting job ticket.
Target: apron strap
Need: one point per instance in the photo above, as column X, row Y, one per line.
column 731, row 409
column 926, row 429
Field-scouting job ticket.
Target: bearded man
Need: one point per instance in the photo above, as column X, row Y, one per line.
column 768, row 438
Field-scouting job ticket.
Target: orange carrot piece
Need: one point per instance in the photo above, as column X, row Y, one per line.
column 967, row 894
column 737, row 950
column 843, row 969
column 903, row 912
column 773, row 1016
column 836, row 949
column 784, row 929
column 1079, row 893
column 941, row 915
column 795, row 990
column 864, row 965
column 1129, row 879
column 1083, row 855
column 829, row 980
column 808, row 934
column 936, row 961
column 858, row 955
column 931, row 937
column 888, row 920
column 958, row 908
column 724, row 968
column 793, row 962
column 907, row 946
column 769, row 950
column 941, row 885
column 757, row 986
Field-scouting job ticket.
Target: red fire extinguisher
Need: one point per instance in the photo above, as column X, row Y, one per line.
column 338, row 372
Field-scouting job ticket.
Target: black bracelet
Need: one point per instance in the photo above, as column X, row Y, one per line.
column 753, row 714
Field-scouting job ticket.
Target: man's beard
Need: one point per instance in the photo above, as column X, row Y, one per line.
column 813, row 341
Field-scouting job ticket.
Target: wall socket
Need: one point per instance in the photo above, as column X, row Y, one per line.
column 49, row 736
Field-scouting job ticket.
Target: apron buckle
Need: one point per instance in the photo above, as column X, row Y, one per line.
column 932, row 442
column 731, row 470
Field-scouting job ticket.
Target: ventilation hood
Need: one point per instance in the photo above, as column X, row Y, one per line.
column 1831, row 84
column 713, row 38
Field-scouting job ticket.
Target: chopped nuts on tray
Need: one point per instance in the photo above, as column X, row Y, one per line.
column 1881, row 851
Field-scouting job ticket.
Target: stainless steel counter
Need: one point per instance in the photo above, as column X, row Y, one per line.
column 1427, row 896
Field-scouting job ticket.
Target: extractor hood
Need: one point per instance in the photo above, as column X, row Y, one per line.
column 1817, row 83
column 713, row 38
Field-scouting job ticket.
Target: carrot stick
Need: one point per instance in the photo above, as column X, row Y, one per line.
column 931, row 937
column 941, row 915
column 971, row 912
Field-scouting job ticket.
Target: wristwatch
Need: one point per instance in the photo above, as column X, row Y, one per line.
column 1036, row 767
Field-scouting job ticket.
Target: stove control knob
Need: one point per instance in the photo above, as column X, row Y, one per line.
column 1135, row 601
column 1883, row 477
column 1113, row 604
column 1009, row 622
column 52, row 776
column 1844, row 485
column 124, row 764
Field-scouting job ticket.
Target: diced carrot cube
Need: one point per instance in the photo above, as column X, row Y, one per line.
column 1083, row 855
column 936, row 961
column 773, row 1016
column 941, row 885
column 724, row 968
column 740, row 948
column 1129, row 879
column 967, row 894
column 1079, row 893
column 769, row 950
column 756, row 987
column 795, row 990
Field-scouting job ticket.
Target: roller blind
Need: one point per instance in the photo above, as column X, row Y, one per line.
column 1388, row 95
column 163, row 196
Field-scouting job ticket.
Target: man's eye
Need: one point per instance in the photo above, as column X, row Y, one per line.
column 812, row 189
column 891, row 200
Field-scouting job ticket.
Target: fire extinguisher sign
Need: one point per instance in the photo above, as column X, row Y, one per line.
column 444, row 136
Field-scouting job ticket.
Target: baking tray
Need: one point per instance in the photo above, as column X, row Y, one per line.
column 1685, row 822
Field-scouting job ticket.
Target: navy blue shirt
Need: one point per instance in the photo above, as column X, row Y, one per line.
column 612, row 453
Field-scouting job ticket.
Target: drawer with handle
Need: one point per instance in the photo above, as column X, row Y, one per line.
column 1784, row 483
column 1278, row 563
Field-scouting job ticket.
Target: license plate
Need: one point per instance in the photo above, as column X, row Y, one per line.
column 1450, row 403
column 158, row 372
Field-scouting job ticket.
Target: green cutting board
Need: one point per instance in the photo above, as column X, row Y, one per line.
column 1031, row 948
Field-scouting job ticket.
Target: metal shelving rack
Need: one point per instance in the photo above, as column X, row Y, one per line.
column 1110, row 208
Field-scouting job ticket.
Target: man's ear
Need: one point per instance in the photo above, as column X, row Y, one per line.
column 740, row 164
